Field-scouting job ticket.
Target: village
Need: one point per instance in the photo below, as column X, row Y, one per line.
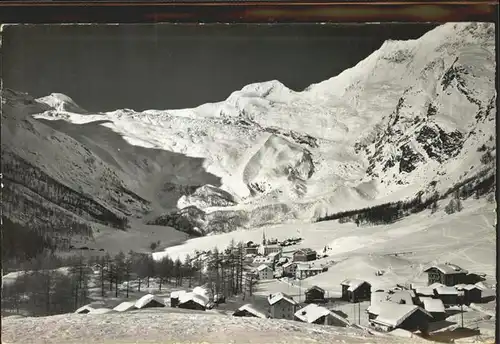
column 434, row 309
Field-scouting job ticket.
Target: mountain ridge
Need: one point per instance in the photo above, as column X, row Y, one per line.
column 380, row 131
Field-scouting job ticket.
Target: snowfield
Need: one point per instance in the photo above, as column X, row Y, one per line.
column 163, row 327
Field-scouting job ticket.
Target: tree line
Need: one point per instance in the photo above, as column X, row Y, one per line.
column 19, row 173
column 477, row 186
column 49, row 284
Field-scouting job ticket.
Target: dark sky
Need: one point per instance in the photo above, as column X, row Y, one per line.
column 176, row 66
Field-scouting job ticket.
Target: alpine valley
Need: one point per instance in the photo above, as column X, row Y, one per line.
column 414, row 119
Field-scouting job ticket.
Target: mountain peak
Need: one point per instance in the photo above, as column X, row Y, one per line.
column 62, row 103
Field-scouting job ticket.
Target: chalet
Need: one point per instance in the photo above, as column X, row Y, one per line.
column 149, row 301
column 314, row 314
column 289, row 269
column 266, row 249
column 435, row 307
column 282, row 306
column 354, row 290
column 174, row 297
column 304, row 271
column 402, row 297
column 390, row 316
column 249, row 310
column 470, row 293
column 265, row 272
column 449, row 295
column 193, row 301
column 315, row 294
column 304, row 255
column 447, row 274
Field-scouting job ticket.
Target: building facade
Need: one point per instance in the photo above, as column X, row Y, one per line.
column 304, row 255
column 446, row 274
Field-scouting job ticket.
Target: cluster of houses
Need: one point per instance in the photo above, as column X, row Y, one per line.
column 197, row 299
column 411, row 308
column 283, row 306
column 414, row 308
column 269, row 262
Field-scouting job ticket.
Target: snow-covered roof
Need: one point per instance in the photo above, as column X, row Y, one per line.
column 312, row 312
column 175, row 294
column 201, row 291
column 446, row 290
column 481, row 285
column 263, row 267
column 353, row 283
column 317, row 288
column 400, row 296
column 436, row 285
column 101, row 311
column 433, row 305
column 125, row 306
column 379, row 296
column 428, row 291
column 286, row 265
column 466, row 287
column 281, row 296
column 273, row 254
column 192, row 296
column 448, row 269
column 251, row 309
column 393, row 314
column 146, row 299
column 84, row 309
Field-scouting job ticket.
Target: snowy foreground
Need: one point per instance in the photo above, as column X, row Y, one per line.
column 161, row 327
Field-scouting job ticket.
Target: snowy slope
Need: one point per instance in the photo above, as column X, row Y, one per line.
column 410, row 114
column 161, row 326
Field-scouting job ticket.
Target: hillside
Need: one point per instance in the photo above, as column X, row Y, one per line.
column 414, row 116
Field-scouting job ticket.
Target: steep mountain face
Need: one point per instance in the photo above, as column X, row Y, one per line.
column 413, row 116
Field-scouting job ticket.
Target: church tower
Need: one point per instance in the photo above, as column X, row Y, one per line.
column 263, row 237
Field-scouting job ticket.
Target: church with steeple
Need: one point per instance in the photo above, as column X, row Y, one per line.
column 265, row 248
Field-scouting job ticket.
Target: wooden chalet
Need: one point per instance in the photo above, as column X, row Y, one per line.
column 304, row 255
column 389, row 316
column 315, row 294
column 193, row 301
column 355, row 290
column 449, row 295
column 435, row 307
column 303, row 271
column 314, row 314
column 470, row 293
column 446, row 274
column 149, row 301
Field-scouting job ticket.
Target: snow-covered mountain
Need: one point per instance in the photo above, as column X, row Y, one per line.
column 413, row 116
